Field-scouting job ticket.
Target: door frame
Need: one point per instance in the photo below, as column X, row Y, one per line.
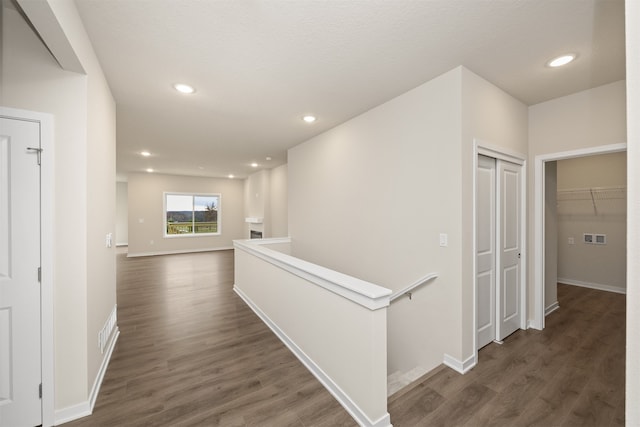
column 46, row 254
column 484, row 148
column 538, row 318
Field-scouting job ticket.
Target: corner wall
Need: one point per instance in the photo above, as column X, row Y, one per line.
column 265, row 196
column 279, row 202
column 369, row 198
column 84, row 114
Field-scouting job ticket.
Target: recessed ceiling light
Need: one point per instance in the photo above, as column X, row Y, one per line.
column 183, row 88
column 254, row 165
column 309, row 118
column 231, row 176
column 145, row 153
column 561, row 60
column 149, row 170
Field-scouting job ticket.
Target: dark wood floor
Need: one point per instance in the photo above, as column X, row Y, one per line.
column 570, row 374
column 191, row 353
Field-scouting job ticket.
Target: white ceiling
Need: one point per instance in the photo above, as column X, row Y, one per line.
column 258, row 66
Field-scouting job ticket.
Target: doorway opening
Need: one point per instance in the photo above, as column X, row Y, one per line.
column 540, row 240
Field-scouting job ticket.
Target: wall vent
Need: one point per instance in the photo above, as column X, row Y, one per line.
column 107, row 329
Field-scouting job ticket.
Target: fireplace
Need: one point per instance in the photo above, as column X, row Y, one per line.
column 255, row 234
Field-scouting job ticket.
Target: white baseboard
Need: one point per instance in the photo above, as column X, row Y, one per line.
column 460, row 366
column 552, row 307
column 590, row 285
column 103, row 368
column 85, row 408
column 183, row 251
column 354, row 410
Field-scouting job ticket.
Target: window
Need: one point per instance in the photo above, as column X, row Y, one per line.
column 191, row 214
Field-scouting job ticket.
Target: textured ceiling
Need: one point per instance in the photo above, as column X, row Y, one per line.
column 258, row 66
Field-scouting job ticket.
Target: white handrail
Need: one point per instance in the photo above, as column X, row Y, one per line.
column 407, row 290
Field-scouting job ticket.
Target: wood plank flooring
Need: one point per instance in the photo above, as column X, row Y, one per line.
column 191, row 353
column 570, row 374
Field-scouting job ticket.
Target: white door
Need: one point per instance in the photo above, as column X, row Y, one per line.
column 509, row 311
column 20, row 346
column 485, row 250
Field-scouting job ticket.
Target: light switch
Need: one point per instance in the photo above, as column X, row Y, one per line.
column 572, row 241
column 444, row 239
column 108, row 241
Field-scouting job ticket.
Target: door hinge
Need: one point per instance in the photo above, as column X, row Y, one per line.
column 40, row 274
column 40, row 391
column 38, row 151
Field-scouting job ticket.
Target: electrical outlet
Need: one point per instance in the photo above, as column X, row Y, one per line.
column 444, row 240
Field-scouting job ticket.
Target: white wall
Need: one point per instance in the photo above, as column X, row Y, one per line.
column 257, row 202
column 146, row 217
column 279, row 202
column 586, row 119
column 346, row 350
column 265, row 196
column 371, row 196
column 84, row 114
column 122, row 213
column 600, row 266
column 633, row 213
column 499, row 120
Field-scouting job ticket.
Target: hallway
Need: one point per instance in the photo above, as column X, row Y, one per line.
column 191, row 353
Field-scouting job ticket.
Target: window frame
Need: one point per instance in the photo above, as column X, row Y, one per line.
column 193, row 196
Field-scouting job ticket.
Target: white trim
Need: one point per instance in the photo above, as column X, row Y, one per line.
column 193, row 196
column 71, row 413
column 537, row 321
column 47, row 228
column 462, row 367
column 551, row 308
column 359, row 291
column 103, row 368
column 591, row 285
column 351, row 407
column 499, row 153
column 486, row 149
column 85, row 408
column 176, row 252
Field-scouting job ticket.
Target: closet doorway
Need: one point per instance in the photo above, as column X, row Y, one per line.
column 499, row 220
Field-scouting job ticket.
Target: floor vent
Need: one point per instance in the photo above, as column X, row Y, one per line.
column 107, row 329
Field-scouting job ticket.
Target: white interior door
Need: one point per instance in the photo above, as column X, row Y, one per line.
column 485, row 250
column 20, row 346
column 509, row 313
